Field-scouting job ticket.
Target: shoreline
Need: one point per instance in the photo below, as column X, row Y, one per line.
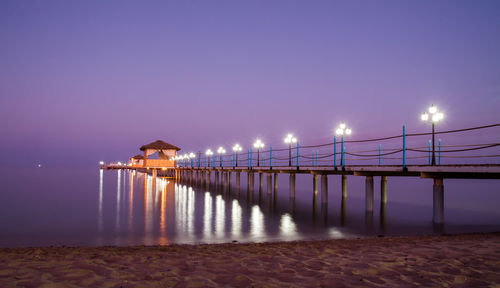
column 435, row 260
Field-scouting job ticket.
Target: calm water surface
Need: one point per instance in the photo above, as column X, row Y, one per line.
column 50, row 206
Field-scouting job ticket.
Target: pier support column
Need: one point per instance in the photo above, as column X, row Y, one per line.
column 369, row 194
column 230, row 179
column 209, row 178
column 344, row 186
column 275, row 183
column 383, row 190
column 292, row 185
column 269, row 183
column 383, row 201
column 261, row 181
column 324, row 189
column 438, row 203
column 315, row 184
column 154, row 180
column 250, row 182
column 238, row 180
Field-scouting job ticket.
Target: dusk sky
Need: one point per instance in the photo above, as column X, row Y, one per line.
column 83, row 81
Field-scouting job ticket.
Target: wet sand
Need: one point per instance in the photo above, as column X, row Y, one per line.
column 431, row 261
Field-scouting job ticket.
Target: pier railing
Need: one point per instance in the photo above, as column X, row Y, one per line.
column 474, row 145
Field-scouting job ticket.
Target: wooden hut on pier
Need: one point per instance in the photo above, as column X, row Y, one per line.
column 166, row 152
column 137, row 160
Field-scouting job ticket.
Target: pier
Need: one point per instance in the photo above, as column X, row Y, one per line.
column 320, row 162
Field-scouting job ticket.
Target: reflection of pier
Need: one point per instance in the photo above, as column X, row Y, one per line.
column 222, row 176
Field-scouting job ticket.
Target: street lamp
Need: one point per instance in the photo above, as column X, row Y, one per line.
column 258, row 145
column 185, row 157
column 191, row 156
column 237, row 148
column 221, row 152
column 289, row 139
column 434, row 116
column 340, row 132
column 209, row 153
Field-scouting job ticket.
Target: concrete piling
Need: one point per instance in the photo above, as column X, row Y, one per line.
column 324, row 189
column 275, row 183
column 383, row 190
column 269, row 183
column 261, row 181
column 292, row 185
column 238, row 180
column 369, row 194
column 315, row 184
column 438, row 203
column 344, row 186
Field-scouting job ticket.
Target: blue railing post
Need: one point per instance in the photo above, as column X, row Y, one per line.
column 439, row 157
column 271, row 157
column 404, row 146
column 342, row 157
column 430, row 152
column 297, row 154
column 379, row 154
column 251, row 157
column 335, row 152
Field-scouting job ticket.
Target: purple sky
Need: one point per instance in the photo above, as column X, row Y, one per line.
column 89, row 80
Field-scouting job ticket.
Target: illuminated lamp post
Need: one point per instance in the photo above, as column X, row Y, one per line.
column 258, row 145
column 237, row 148
column 289, row 139
column 341, row 131
column 191, row 156
column 209, row 153
column 434, row 116
column 221, row 152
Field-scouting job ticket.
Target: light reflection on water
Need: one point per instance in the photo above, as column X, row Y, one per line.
column 138, row 209
column 236, row 218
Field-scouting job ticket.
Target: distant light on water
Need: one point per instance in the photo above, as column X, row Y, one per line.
column 287, row 226
column 336, row 233
column 257, row 222
column 236, row 219
column 207, row 216
column 220, row 216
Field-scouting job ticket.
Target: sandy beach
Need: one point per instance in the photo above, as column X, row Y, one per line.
column 438, row 261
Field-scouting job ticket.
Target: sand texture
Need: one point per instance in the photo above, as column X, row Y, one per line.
column 435, row 261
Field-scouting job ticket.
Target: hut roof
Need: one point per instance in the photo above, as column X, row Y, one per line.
column 138, row 156
column 159, row 145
